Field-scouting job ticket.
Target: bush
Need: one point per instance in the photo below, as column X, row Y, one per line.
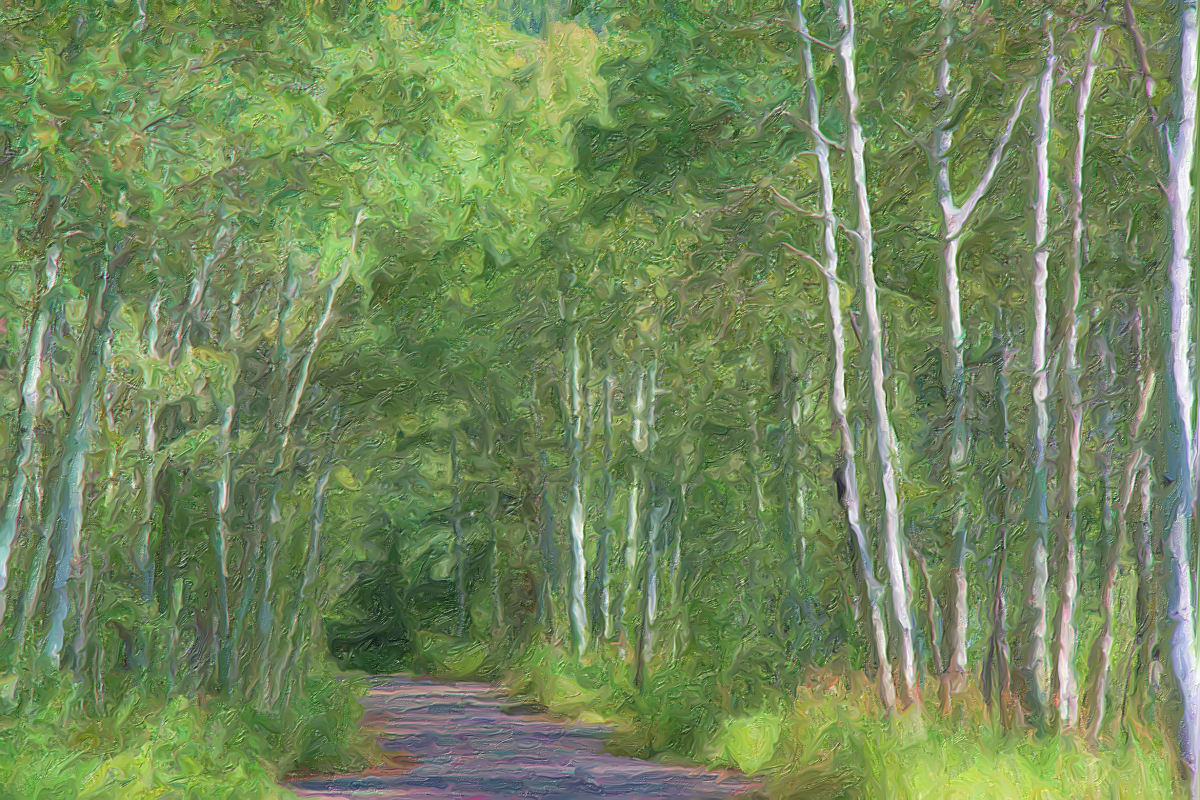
column 143, row 748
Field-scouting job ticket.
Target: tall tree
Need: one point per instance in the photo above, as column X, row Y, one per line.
column 27, row 414
column 65, row 521
column 629, row 561
column 1101, row 655
column 997, row 663
column 1032, row 669
column 954, row 221
column 1071, row 411
column 602, row 606
column 846, row 474
column 885, row 447
column 577, row 408
column 1179, row 394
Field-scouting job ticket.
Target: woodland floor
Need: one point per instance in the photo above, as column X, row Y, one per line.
column 470, row 741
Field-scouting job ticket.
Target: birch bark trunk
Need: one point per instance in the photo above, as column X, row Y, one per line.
column 603, row 611
column 577, row 607
column 27, row 413
column 1180, row 399
column 1032, row 669
column 846, row 474
column 1071, row 414
column 1100, row 658
column 997, row 665
column 893, row 544
column 66, row 516
column 633, row 509
column 290, row 409
column 954, row 219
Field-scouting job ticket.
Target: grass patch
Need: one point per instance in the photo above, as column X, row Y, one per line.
column 829, row 739
column 141, row 748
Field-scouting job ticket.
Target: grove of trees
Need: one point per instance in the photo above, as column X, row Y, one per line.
column 743, row 338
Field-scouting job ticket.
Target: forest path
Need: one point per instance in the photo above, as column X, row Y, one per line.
column 469, row 741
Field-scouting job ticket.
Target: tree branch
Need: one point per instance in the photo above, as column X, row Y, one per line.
column 804, row 255
column 912, row 138
column 963, row 214
column 1129, row 22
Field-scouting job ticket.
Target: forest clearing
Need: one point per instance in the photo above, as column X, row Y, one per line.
column 599, row 398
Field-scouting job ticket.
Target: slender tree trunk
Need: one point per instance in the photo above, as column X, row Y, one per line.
column 796, row 505
column 1180, row 400
column 1145, row 604
column 548, row 581
column 222, row 494
column 37, row 567
column 153, row 405
column 998, row 661
column 577, row 608
column 66, row 518
column 153, row 463
column 248, row 570
column 1033, row 665
column 312, row 560
column 673, row 569
column 633, row 510
column 27, row 412
column 755, row 477
column 675, row 573
column 845, row 474
column 954, row 219
column 460, row 551
column 930, row 622
column 1071, row 415
column 653, row 530
column 1101, row 655
column 494, row 565
column 264, row 618
column 650, row 586
column 893, row 544
column 603, row 606
column 82, row 639
column 153, row 459
column 291, row 407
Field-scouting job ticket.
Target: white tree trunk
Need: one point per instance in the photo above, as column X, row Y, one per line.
column 848, row 476
column 1180, row 406
column 893, row 544
column 291, row 397
column 222, row 495
column 1033, row 665
column 577, row 606
column 633, row 509
column 27, row 413
column 1071, row 414
column 1101, row 655
column 954, row 220
column 65, row 519
column 603, row 612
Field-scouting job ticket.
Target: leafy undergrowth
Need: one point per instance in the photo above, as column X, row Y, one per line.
column 141, row 749
column 828, row 739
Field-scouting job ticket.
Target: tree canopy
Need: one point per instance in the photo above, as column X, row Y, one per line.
column 703, row 346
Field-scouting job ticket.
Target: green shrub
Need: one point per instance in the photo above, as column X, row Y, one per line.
column 142, row 748
column 830, row 739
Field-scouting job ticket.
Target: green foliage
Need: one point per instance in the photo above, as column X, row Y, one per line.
column 268, row 471
column 439, row 654
column 827, row 739
column 749, row 741
column 141, row 749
